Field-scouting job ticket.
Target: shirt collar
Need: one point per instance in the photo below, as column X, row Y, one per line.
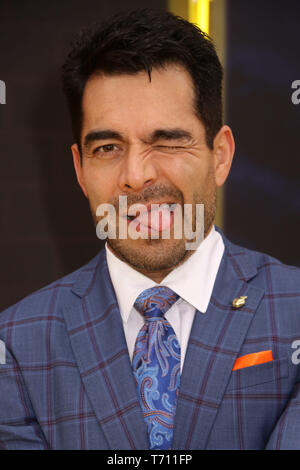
column 193, row 280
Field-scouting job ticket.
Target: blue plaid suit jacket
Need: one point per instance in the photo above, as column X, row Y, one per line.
column 67, row 381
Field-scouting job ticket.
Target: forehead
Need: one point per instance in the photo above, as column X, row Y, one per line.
column 134, row 101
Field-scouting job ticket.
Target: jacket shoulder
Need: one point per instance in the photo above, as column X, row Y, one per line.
column 45, row 302
column 270, row 271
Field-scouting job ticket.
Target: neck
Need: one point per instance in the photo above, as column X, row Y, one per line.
column 159, row 275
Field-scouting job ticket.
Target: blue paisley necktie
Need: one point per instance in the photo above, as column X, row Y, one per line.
column 156, row 365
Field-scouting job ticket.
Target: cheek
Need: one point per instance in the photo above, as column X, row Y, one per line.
column 188, row 173
column 98, row 186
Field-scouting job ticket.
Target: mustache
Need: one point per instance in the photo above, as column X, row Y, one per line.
column 152, row 193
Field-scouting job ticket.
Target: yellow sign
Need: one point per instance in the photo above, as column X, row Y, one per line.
column 199, row 14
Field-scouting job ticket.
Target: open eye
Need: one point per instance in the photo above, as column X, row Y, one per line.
column 107, row 148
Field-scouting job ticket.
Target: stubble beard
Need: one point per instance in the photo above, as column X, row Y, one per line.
column 161, row 254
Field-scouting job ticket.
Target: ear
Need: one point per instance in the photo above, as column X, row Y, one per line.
column 78, row 167
column 223, row 151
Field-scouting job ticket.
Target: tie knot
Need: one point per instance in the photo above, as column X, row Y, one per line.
column 155, row 302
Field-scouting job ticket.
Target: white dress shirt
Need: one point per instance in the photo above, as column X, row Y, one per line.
column 193, row 281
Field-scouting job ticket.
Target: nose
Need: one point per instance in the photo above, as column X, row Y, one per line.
column 138, row 171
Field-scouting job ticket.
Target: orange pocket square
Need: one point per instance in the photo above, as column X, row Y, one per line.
column 253, row 359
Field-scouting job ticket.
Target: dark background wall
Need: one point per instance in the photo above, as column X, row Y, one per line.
column 46, row 229
column 45, row 226
column 262, row 197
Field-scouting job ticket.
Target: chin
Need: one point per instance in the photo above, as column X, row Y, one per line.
column 150, row 254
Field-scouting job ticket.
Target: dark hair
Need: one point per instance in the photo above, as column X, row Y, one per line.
column 130, row 42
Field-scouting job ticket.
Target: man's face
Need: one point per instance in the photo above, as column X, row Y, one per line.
column 154, row 151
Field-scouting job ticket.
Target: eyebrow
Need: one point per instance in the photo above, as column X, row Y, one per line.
column 169, row 134
column 102, row 135
column 158, row 134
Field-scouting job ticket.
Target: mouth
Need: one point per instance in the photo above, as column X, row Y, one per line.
column 149, row 208
column 155, row 216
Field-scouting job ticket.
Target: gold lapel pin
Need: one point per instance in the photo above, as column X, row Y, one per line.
column 237, row 303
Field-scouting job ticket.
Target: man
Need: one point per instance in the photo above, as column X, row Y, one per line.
column 152, row 345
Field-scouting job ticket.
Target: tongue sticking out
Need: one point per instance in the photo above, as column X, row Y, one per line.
column 155, row 219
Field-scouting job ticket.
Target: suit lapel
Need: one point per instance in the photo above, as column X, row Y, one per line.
column 99, row 345
column 97, row 338
column 215, row 341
